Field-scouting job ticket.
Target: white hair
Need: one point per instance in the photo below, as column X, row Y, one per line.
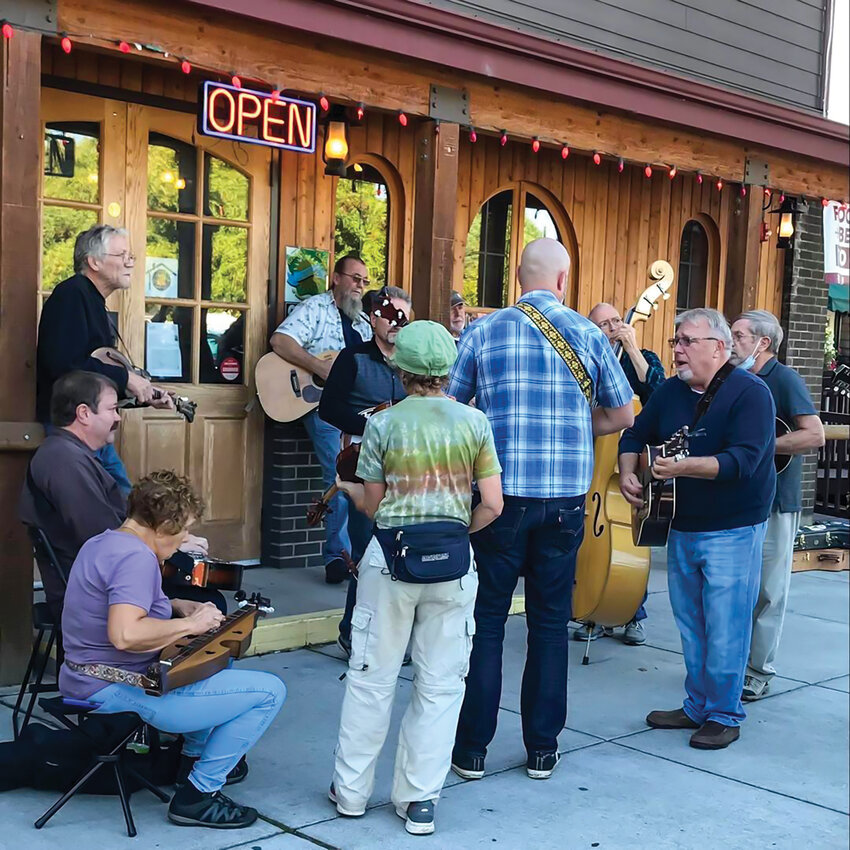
column 94, row 242
column 715, row 320
column 764, row 323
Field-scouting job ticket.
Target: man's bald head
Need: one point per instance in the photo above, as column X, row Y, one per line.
column 545, row 264
column 602, row 311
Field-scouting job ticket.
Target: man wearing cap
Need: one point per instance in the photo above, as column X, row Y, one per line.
column 548, row 382
column 418, row 461
column 360, row 379
column 457, row 320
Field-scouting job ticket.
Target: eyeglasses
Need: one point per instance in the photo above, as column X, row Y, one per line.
column 358, row 279
column 129, row 258
column 739, row 336
column 612, row 323
column 383, row 308
column 688, row 341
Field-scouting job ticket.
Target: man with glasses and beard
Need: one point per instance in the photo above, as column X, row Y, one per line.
column 74, row 323
column 724, row 493
column 329, row 321
column 362, row 378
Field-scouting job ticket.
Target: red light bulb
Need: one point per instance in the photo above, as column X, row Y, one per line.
column 236, row 82
column 597, row 159
column 185, row 67
column 782, row 198
column 767, row 192
column 719, row 184
column 673, row 171
column 743, row 191
column 699, row 177
column 621, row 164
column 275, row 95
column 8, row 32
column 503, row 139
column 535, row 144
column 648, row 171
column 473, row 136
column 123, row 47
column 361, row 111
column 323, row 102
column 565, row 151
column 824, row 202
column 66, row 43
column 402, row 118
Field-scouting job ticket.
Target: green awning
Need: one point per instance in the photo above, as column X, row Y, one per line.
column 839, row 298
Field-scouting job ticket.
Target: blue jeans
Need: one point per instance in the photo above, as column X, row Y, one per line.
column 326, row 447
column 641, row 614
column 539, row 537
column 713, row 579
column 220, row 718
column 360, row 532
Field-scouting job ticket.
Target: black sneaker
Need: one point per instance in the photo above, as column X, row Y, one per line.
column 344, row 644
column 541, row 765
column 336, row 572
column 190, row 807
column 467, row 766
column 188, row 762
column 418, row 817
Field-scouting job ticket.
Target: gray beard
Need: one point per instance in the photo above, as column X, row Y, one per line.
column 351, row 305
column 685, row 375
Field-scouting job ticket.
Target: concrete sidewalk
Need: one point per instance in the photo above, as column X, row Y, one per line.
column 620, row 784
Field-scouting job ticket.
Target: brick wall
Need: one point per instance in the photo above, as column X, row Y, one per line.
column 804, row 320
column 292, row 478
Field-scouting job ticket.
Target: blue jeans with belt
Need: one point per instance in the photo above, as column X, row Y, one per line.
column 539, row 537
column 220, row 718
column 326, row 447
column 713, row 578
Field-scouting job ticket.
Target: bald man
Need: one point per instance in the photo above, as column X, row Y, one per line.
column 544, row 413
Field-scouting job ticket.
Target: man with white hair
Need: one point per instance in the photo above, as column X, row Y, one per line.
column 756, row 337
column 74, row 323
column 548, row 381
column 724, row 492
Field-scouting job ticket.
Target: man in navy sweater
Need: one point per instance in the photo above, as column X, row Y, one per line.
column 724, row 493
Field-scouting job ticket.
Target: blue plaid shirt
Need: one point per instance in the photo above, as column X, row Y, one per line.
column 540, row 418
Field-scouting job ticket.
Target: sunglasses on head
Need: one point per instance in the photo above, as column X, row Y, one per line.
column 383, row 308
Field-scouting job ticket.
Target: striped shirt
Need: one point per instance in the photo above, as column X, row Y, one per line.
column 541, row 420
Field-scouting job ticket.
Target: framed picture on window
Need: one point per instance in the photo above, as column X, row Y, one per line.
column 306, row 273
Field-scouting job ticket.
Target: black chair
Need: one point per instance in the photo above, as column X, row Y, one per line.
column 104, row 752
column 46, row 622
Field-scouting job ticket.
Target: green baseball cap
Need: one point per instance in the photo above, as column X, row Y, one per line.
column 424, row 348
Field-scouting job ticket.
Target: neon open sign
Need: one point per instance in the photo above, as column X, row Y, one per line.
column 258, row 118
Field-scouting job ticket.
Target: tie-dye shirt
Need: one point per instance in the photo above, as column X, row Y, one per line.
column 428, row 450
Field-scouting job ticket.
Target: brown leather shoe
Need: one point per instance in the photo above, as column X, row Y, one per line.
column 715, row 736
column 676, row 719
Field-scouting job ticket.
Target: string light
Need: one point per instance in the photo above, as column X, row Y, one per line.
column 647, row 170
column 782, row 197
column 719, row 184
column 597, row 158
column 673, row 171
column 824, row 202
column 123, row 47
column 503, row 139
column 66, row 42
column 621, row 164
column 743, row 191
column 186, row 67
column 324, row 103
column 235, row 81
column 402, row 118
column 361, row 111
column 767, row 192
column 473, row 136
column 699, row 177
column 275, row 95
column 565, row 151
column 535, row 144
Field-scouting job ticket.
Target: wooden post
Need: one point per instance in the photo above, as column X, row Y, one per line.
column 742, row 264
column 20, row 81
column 434, row 213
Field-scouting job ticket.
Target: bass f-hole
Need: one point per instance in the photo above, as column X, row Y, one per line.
column 598, row 527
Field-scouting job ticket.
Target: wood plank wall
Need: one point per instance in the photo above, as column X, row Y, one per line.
column 622, row 222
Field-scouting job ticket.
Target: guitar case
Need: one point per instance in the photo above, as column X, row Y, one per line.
column 830, row 534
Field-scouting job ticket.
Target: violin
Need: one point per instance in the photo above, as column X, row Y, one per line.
column 611, row 571
column 113, row 357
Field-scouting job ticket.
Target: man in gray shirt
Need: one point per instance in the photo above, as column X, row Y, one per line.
column 68, row 493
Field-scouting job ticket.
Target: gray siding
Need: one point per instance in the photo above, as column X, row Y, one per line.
column 768, row 48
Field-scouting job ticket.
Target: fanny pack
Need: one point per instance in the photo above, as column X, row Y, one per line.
column 426, row 553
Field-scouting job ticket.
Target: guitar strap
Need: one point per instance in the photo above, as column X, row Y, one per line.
column 561, row 346
column 708, row 396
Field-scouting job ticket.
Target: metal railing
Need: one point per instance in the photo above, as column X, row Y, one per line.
column 831, row 489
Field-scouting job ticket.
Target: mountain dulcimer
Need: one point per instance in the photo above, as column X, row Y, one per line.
column 197, row 657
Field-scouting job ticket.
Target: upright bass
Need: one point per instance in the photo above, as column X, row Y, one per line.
column 611, row 572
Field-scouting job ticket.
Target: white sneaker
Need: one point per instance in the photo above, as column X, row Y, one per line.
column 349, row 813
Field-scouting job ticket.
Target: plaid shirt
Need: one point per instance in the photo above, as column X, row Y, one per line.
column 540, row 418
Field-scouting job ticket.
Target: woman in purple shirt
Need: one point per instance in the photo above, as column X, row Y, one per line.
column 117, row 615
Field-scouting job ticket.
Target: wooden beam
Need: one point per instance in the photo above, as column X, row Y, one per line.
column 20, row 143
column 434, row 212
column 357, row 73
column 21, row 436
column 744, row 240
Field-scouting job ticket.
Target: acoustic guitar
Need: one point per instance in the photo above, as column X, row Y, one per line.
column 287, row 392
column 611, row 572
column 651, row 522
column 113, row 357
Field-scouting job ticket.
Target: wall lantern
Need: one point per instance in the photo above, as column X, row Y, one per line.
column 335, row 148
column 787, row 212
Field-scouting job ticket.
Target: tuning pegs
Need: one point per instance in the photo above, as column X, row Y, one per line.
column 666, row 296
column 655, row 306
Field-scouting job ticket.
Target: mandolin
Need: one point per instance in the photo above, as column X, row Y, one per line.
column 113, row 357
column 611, row 572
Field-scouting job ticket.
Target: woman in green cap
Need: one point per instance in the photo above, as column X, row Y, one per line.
column 417, row 579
